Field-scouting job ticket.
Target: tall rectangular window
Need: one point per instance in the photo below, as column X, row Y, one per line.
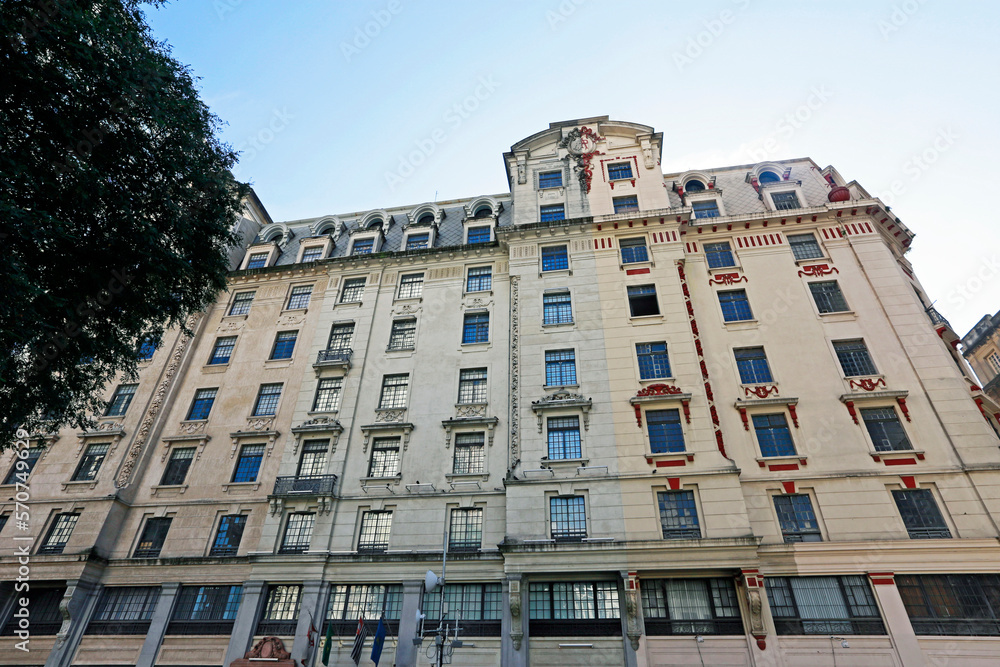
column 678, row 515
column 411, row 286
column 154, row 534
column 258, row 260
column 312, row 254
column 642, row 300
column 178, row 465
column 281, row 611
column 284, row 345
column 363, row 247
column 298, row 533
column 59, row 533
column 480, row 234
column 208, row 610
column 21, row 468
column 341, row 336
column 553, row 212
column 568, row 518
column 735, row 306
column 752, row 365
column 375, row 529
column 823, row 606
column 557, row 308
column 267, row 400
column 230, row 534
column 222, row 351
column 328, row 395
column 385, row 458
column 994, row 360
column 563, row 435
column 146, row 350
column 952, row 604
column 480, row 279
column 633, row 250
column 124, row 610
column 705, row 209
column 573, row 608
column 241, row 303
column 886, row 431
column 560, row 368
column 394, row 391
column 353, row 290
column 719, row 255
column 920, row 514
column 653, row 360
column 403, row 334
column 43, row 612
column 785, row 201
column 773, row 435
column 479, row 606
column 854, row 358
column 348, row 602
column 619, row 170
column 298, row 298
column 91, row 462
column 248, row 464
column 550, row 179
column 472, row 385
column 626, row 204
column 121, row 400
column 804, row 246
column 690, row 607
column 201, row 406
column 312, row 462
column 466, row 532
column 476, row 328
column 470, row 455
column 417, row 241
column 665, row 432
column 797, row 518
column 828, row 297
column 555, row 258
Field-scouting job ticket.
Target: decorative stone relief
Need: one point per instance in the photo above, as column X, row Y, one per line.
column 753, row 582
column 562, row 399
column 231, row 327
column 470, row 410
column 290, row 319
column 581, row 143
column 516, row 631
column 515, row 420
column 632, row 631
column 389, row 416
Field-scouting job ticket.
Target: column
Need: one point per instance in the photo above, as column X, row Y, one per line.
column 158, row 625
column 309, row 618
column 631, row 614
column 514, row 625
column 897, row 621
column 246, row 620
column 406, row 651
column 79, row 602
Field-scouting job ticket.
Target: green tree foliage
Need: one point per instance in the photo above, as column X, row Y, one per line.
column 116, row 203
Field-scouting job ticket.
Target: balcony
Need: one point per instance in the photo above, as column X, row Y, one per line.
column 334, row 357
column 312, row 485
column 936, row 317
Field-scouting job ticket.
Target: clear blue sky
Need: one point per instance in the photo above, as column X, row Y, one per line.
column 324, row 114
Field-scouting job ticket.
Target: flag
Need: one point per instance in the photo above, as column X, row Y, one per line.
column 359, row 640
column 328, row 642
column 379, row 639
column 312, row 633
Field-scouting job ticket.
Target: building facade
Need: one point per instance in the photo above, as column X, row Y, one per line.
column 981, row 348
column 651, row 419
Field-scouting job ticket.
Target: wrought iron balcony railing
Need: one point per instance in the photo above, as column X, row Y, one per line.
column 335, row 357
column 311, row 485
column 936, row 317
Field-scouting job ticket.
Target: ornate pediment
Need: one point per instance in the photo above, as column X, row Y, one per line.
column 561, row 400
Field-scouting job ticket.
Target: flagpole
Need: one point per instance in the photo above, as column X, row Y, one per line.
column 442, row 633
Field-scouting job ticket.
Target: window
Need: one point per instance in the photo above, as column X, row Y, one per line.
column 553, row 212
column 768, row 177
column 477, row 607
column 690, row 607
column 550, row 179
column 626, row 204
column 230, row 534
column 385, row 458
column 466, row 529
column 298, row 298
column 752, row 365
column 694, row 185
column 354, row 289
column 952, row 604
column 470, row 455
column 248, row 464
column 563, row 435
column 124, row 610
column 284, row 345
column 341, row 336
column 223, row 350
column 804, row 246
column 403, row 334
column 619, row 170
column 375, row 528
column 178, row 465
column 417, row 241
column 202, row 404
column 885, row 430
column 642, row 301
column 994, row 360
column 363, row 247
column 312, row 462
column 773, row 435
column 347, row 603
column 785, row 201
column 120, row 401
column 281, row 611
column 476, row 328
column 735, row 306
column 797, row 518
column 719, row 255
column 91, row 462
column 480, row 279
column 21, row 468
column 411, row 286
column 472, row 385
column 146, row 350
column 573, row 608
column 665, row 433
column 154, row 533
column 267, row 400
column 479, row 234
column 568, row 518
column 241, row 303
column 298, row 533
column 705, row 209
column 312, row 253
column 678, row 515
column 560, row 368
column 555, row 258
column 920, row 514
column 828, row 297
column 328, row 395
column 394, row 391
column 206, row 610
column 854, row 358
column 3, row 521
column 557, row 308
column 653, row 360
column 823, row 606
column 59, row 533
column 43, row 612
column 633, row 250
column 258, row 260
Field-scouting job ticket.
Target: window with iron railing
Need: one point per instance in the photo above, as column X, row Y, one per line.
column 690, row 607
column 568, row 518
column 375, row 529
column 823, row 606
column 124, row 610
column 43, row 613
column 678, row 515
column 229, row 535
column 477, row 608
column 205, row 610
column 281, row 611
column 920, row 514
column 350, row 601
column 797, row 518
column 466, row 532
column 574, row 609
column 952, row 604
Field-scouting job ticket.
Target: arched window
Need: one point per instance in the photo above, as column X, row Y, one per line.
column 375, row 224
column 694, row 185
column 768, row 177
column 426, row 219
column 483, row 212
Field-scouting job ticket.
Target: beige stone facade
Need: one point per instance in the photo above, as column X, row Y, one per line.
column 655, row 419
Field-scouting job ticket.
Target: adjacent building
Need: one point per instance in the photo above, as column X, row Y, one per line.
column 691, row 418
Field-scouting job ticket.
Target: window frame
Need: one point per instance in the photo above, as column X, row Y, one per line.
column 925, row 531
column 391, row 465
column 402, row 335
column 790, row 521
column 543, row 185
column 170, row 470
column 562, row 309
column 794, row 244
column 568, row 532
column 476, row 330
column 683, row 532
column 337, row 392
column 720, row 596
column 150, row 524
column 396, row 395
column 121, row 399
column 709, row 254
column 241, row 302
column 617, row 167
column 871, row 436
column 653, row 363
column 760, row 444
column 555, row 258
column 60, row 532
column 90, row 464
column 625, row 204
column 283, row 346
column 633, row 243
column 782, row 595
column 730, row 299
column 477, row 453
column 479, row 278
column 753, row 375
column 840, row 359
column 466, row 545
column 558, row 368
column 239, row 471
column 219, row 548
column 473, row 389
column 673, row 412
column 478, row 230
column 642, row 298
column 351, row 285
column 216, row 347
column 301, row 531
column 552, row 212
column 380, row 529
column 261, row 393
column 414, row 282
column 198, row 400
column 565, row 424
column 828, row 297
column 299, row 297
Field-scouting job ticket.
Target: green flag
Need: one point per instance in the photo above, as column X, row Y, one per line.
column 327, row 642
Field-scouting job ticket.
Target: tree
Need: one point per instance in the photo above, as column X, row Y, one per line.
column 116, row 204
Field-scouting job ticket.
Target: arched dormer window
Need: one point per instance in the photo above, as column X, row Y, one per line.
column 483, row 212
column 768, row 177
column 694, row 185
column 426, row 219
column 375, row 224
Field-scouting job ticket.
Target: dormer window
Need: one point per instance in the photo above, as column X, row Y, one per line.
column 426, row 219
column 312, row 253
column 487, row 212
column 694, row 185
column 705, row 209
column 549, row 179
column 375, row 224
column 619, row 171
column 784, row 201
column 258, row 260
column 417, row 241
column 363, row 246
column 768, row 177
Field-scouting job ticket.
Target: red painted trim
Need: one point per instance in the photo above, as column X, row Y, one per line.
column 782, row 466
column 900, row 462
column 674, row 482
column 671, row 464
column 789, row 487
column 883, row 582
column 634, row 272
column 909, row 481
